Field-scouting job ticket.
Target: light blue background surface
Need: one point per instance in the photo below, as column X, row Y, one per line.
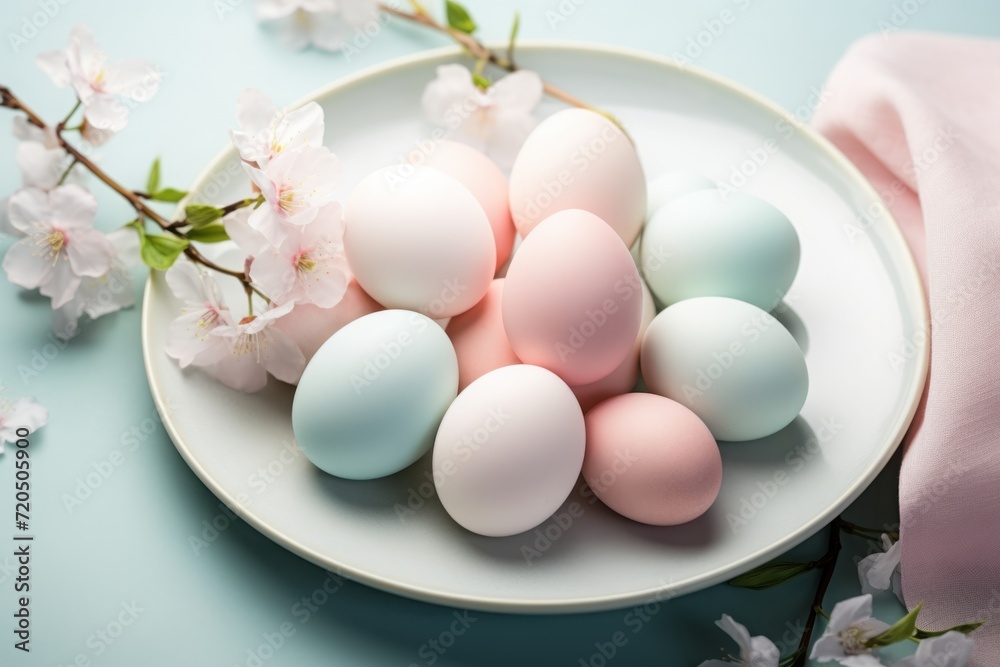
column 129, row 541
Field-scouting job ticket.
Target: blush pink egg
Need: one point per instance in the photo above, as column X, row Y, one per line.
column 483, row 179
column 309, row 326
column 572, row 298
column 479, row 338
column 651, row 459
column 623, row 378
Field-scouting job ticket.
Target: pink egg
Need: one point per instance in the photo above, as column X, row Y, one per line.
column 572, row 298
column 479, row 338
column 623, row 378
column 483, row 179
column 310, row 326
column 651, row 459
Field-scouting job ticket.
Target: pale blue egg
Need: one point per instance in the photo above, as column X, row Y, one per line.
column 731, row 363
column 673, row 184
column 370, row 401
column 704, row 244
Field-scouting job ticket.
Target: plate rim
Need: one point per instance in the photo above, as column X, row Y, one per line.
column 908, row 273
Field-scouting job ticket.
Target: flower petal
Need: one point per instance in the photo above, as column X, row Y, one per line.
column 249, row 240
column 848, row 612
column 26, row 413
column 25, row 266
column 138, row 80
column 737, row 631
column 62, row 286
column 190, row 340
column 29, row 210
column 90, row 253
column 192, row 285
column 274, row 273
column 106, row 114
column 269, row 10
column 241, row 372
column 54, row 64
column 290, row 31
column 40, row 167
column 446, row 94
column 72, row 208
column 299, row 128
column 520, row 91
column 282, row 357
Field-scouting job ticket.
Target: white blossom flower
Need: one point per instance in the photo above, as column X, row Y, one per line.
column 255, row 348
column 850, row 626
column 295, row 185
column 104, row 294
column 495, row 121
column 309, row 266
column 952, row 649
column 60, row 246
column 249, row 240
column 880, row 571
column 754, row 651
column 189, row 338
column 22, row 413
column 325, row 24
column 265, row 131
column 98, row 84
column 41, row 167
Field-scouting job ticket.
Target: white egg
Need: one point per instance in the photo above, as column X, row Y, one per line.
column 578, row 159
column 731, row 363
column 417, row 239
column 509, row 450
column 370, row 400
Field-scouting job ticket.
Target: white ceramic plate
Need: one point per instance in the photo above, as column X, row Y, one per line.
column 857, row 302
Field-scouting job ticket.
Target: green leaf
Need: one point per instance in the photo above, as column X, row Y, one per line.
column 899, row 631
column 153, row 180
column 213, row 232
column 158, row 251
column 513, row 36
column 197, row 215
column 458, row 17
column 964, row 628
column 172, row 195
column 771, row 574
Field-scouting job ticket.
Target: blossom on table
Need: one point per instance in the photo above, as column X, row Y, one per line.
column 496, row 120
column 309, row 266
column 880, row 571
column 325, row 24
column 295, row 185
column 754, row 651
column 189, row 338
column 265, row 131
column 255, row 347
column 952, row 649
column 22, row 413
column 60, row 246
column 104, row 294
column 850, row 626
column 100, row 85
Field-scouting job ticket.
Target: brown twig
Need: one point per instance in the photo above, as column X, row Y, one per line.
column 11, row 101
column 829, row 561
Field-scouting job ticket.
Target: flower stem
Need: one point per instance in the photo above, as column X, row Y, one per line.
column 65, row 174
column 11, row 101
column 829, row 561
column 478, row 50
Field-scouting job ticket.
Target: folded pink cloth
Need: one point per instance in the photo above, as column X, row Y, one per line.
column 919, row 114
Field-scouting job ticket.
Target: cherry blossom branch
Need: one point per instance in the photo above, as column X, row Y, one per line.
column 481, row 52
column 829, row 561
column 11, row 101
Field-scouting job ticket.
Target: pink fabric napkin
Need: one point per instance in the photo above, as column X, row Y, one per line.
column 919, row 114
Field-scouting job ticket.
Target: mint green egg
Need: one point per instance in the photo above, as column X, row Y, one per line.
column 706, row 244
column 370, row 401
